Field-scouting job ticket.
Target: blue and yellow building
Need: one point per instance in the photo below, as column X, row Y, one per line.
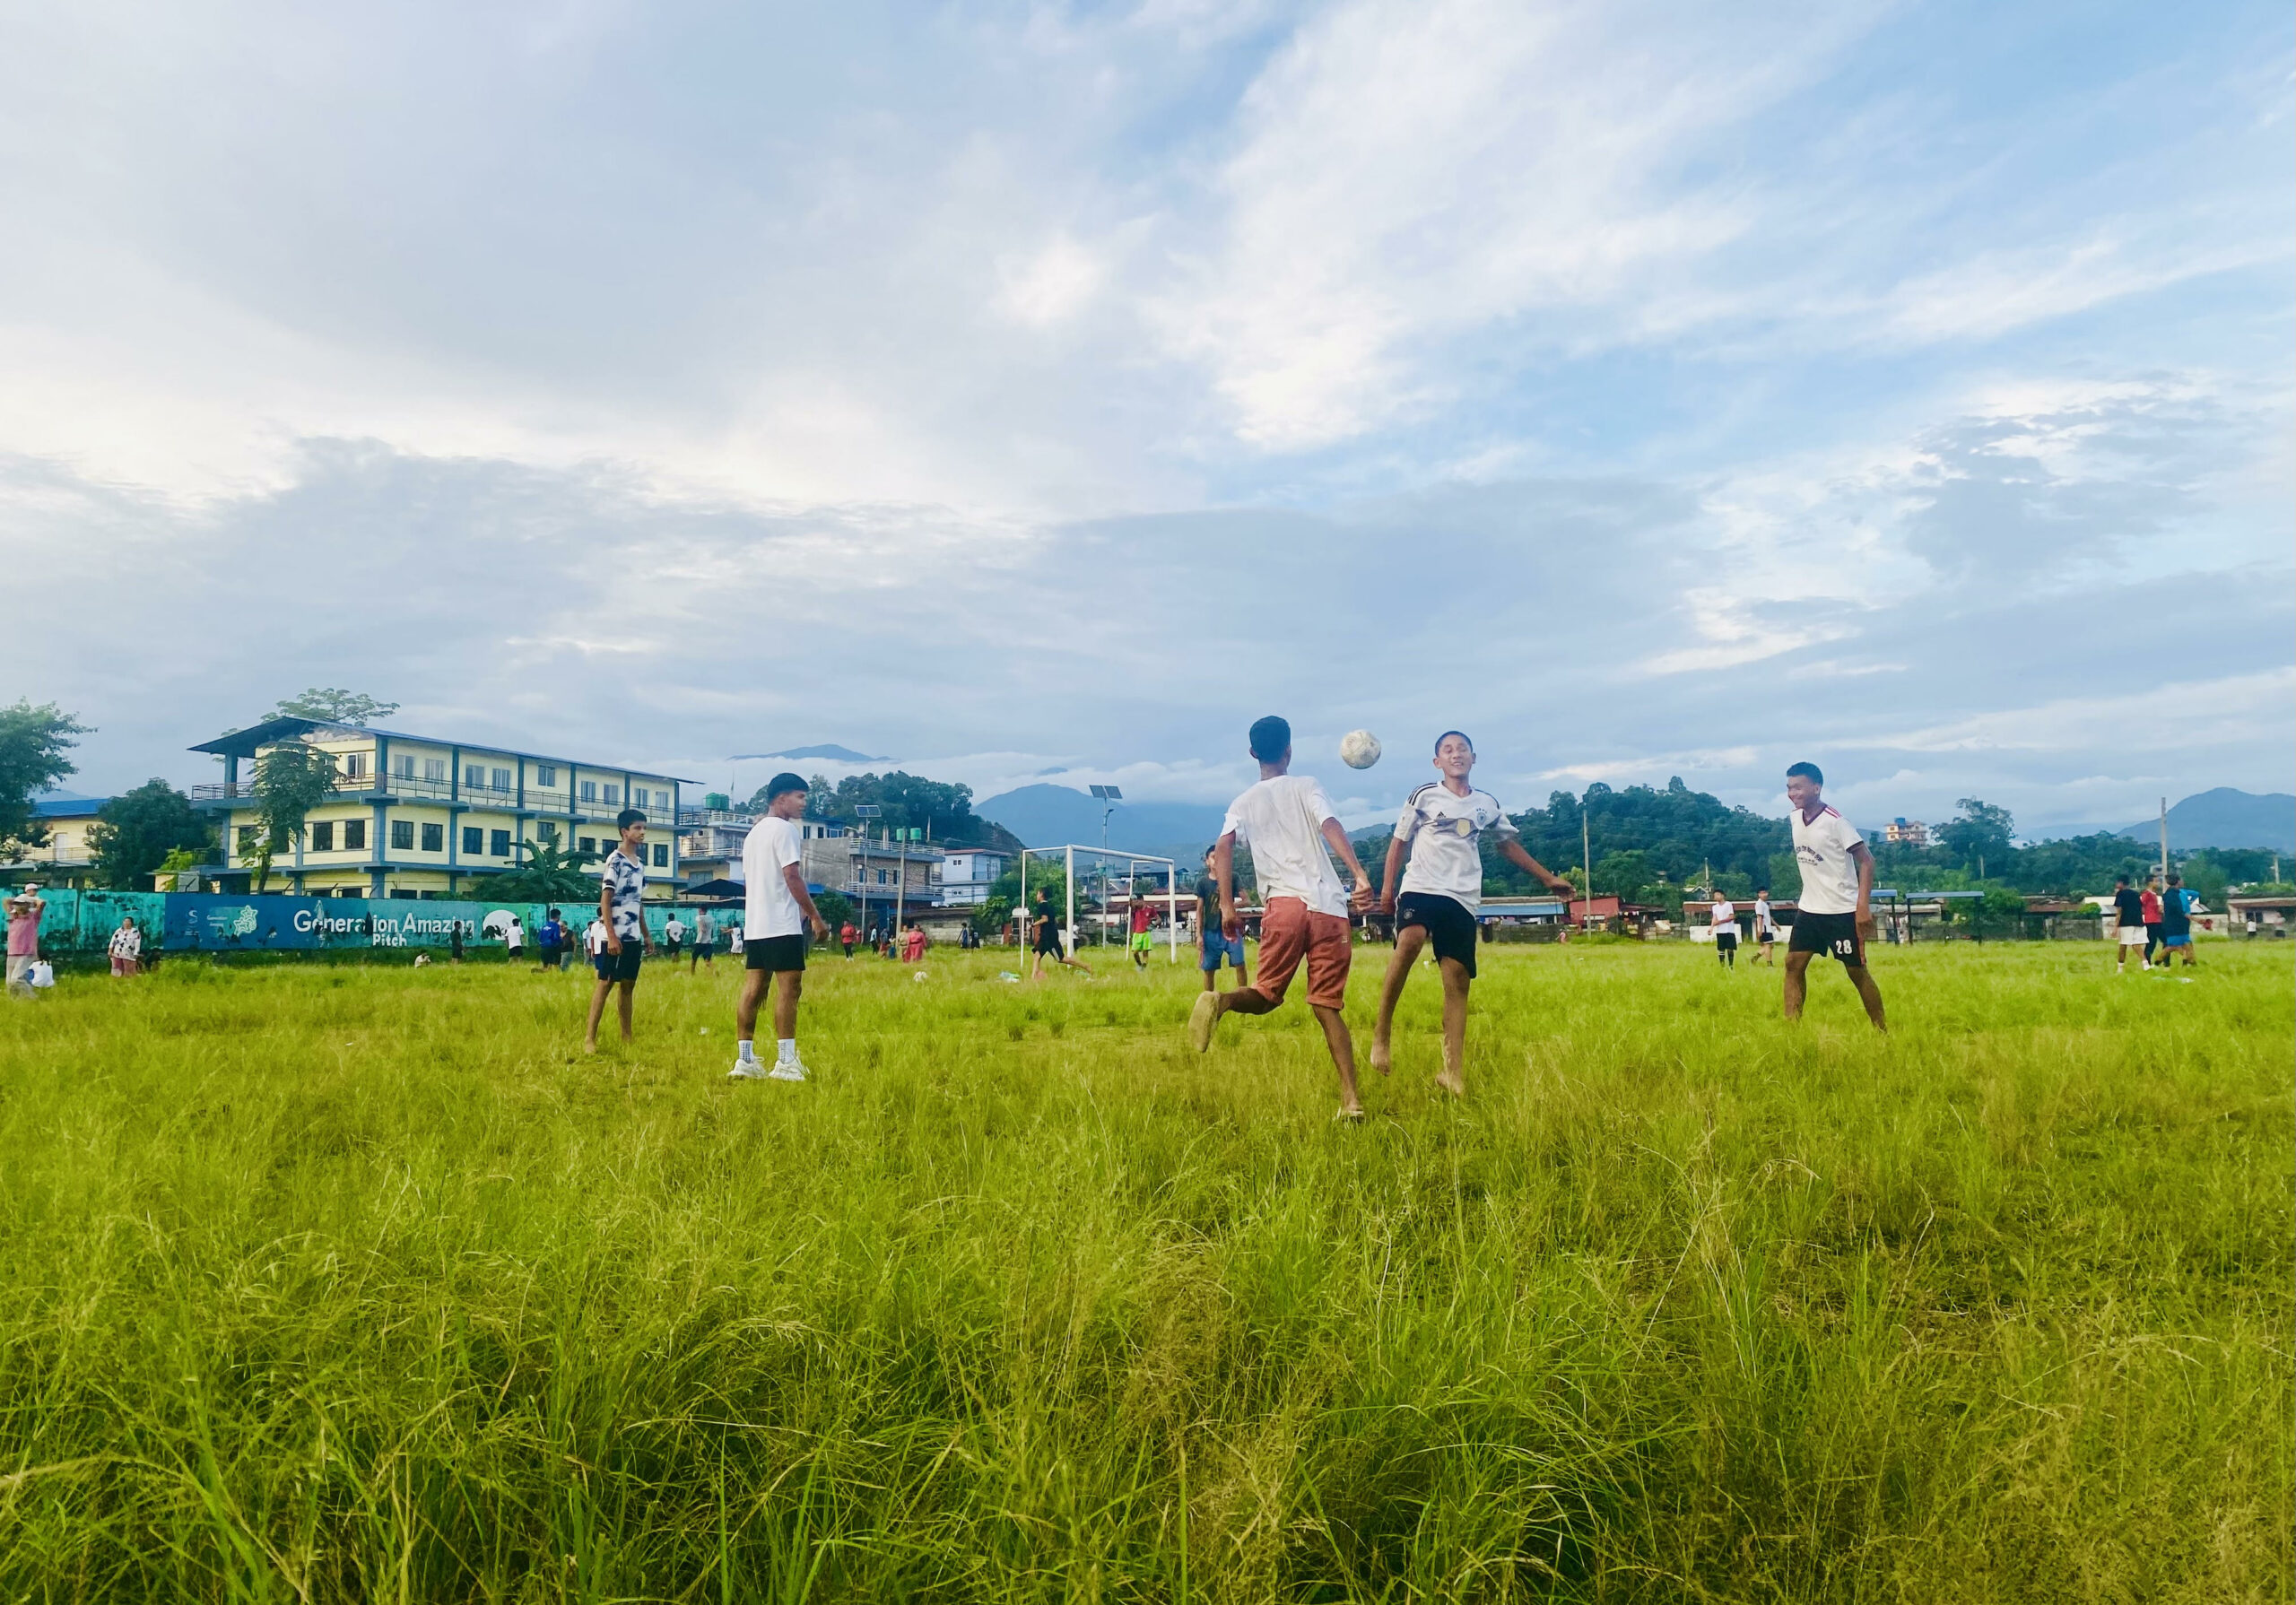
column 420, row 817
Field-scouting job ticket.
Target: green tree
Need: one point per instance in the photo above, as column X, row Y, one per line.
column 942, row 809
column 1980, row 831
column 1621, row 874
column 333, row 704
column 553, row 872
column 136, row 831
column 291, row 779
column 834, row 908
column 33, row 743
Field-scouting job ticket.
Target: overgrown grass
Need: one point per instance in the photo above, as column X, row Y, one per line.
column 341, row 1284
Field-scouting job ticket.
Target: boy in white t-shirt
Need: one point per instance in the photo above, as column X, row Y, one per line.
column 1765, row 930
column 1723, row 917
column 1441, row 827
column 1287, row 822
column 773, row 931
column 1835, row 912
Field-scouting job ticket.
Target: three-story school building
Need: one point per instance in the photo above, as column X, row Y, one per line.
column 420, row 817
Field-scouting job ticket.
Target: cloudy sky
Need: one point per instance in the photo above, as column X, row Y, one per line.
column 1647, row 389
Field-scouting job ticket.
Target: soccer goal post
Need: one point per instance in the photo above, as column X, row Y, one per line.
column 1132, row 861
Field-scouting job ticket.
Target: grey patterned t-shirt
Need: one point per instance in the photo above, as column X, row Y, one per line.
column 626, row 877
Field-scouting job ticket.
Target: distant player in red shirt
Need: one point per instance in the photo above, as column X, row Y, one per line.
column 1144, row 914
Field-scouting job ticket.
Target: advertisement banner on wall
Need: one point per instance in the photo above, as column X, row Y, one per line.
column 211, row 922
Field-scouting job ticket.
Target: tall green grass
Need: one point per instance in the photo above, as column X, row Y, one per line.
column 341, row 1284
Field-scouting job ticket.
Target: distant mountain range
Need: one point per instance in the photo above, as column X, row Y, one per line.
column 2225, row 817
column 1051, row 816
column 831, row 752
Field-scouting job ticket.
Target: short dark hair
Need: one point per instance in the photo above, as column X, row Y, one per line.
column 786, row 781
column 1761, row 891
column 1448, row 734
column 2120, row 879
column 1270, row 738
column 2176, row 879
column 628, row 817
column 1815, row 774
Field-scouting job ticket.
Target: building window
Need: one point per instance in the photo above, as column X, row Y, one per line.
column 501, row 780
column 247, row 838
column 403, row 833
column 638, row 796
column 403, row 766
column 661, row 855
column 434, row 839
column 354, row 766
column 355, row 836
column 498, row 844
column 546, row 830
column 434, row 769
column 589, row 791
column 612, row 793
column 586, row 844
column 323, row 837
column 475, row 776
column 545, row 774
column 474, row 840
column 880, row 877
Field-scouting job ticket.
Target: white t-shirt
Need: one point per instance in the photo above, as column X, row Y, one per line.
column 1725, row 916
column 1764, row 921
column 1829, row 874
column 771, row 846
column 515, row 937
column 594, row 938
column 1281, row 819
column 1446, row 832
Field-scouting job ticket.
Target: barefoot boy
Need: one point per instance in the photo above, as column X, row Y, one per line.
column 622, row 909
column 1441, row 828
column 1287, row 822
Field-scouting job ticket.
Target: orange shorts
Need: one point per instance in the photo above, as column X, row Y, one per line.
column 1288, row 934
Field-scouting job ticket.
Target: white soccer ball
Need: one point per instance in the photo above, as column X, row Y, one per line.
column 1359, row 749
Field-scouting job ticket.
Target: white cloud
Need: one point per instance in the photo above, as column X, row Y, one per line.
column 2234, row 710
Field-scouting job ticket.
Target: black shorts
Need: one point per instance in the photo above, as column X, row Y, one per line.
column 1726, row 942
column 1048, row 944
column 1834, row 934
column 1449, row 927
column 621, row 967
column 774, row 952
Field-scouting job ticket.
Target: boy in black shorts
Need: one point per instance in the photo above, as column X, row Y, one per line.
column 1835, row 912
column 622, row 907
column 1441, row 828
column 773, row 931
column 1044, row 933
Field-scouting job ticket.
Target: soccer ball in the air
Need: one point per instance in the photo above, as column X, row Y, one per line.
column 1359, row 749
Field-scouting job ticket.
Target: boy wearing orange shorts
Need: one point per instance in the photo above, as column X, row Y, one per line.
column 1288, row 823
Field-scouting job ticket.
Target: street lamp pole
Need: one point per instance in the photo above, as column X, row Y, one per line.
column 1111, row 797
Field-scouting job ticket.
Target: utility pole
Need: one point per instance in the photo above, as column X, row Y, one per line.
column 2164, row 841
column 1586, row 858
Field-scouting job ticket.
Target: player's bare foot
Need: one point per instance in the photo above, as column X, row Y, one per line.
column 1349, row 1115
column 1452, row 1082
column 1382, row 1060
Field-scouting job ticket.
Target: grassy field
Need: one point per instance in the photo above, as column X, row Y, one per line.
column 365, row 1284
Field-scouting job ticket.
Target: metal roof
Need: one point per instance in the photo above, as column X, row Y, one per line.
column 243, row 743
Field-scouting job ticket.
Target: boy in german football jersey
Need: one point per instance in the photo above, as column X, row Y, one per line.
column 1441, row 828
column 1835, row 912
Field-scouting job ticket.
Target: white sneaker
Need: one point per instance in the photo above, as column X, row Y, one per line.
column 746, row 1069
column 787, row 1070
